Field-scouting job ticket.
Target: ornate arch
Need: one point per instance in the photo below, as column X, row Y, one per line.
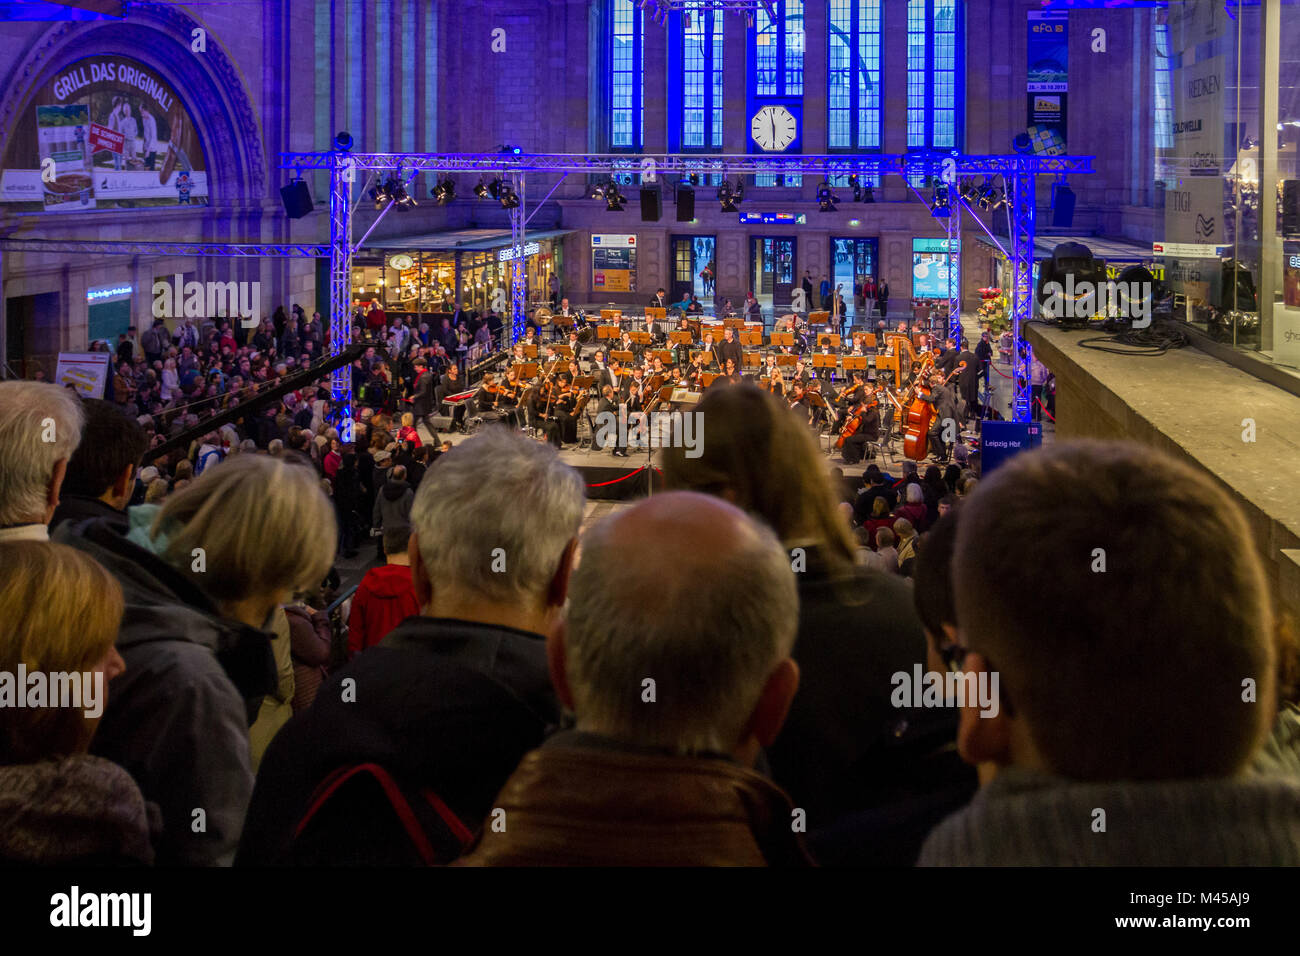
column 159, row 36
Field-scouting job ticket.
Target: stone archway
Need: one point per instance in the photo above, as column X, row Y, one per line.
column 159, row 36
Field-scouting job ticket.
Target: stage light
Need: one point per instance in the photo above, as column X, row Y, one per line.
column 401, row 198
column 343, row 141
column 939, row 203
column 509, row 199
column 990, row 196
column 494, row 188
column 444, row 192
column 614, row 200
column 868, row 194
column 514, row 150
column 481, row 189
column 726, row 197
column 597, row 191
column 382, row 193
column 826, row 200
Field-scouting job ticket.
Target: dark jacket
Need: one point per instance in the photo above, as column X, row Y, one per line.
column 1023, row 818
column 862, row 508
column 310, row 640
column 78, row 508
column 844, row 746
column 584, row 800
column 422, row 401
column 75, row 810
column 177, row 718
column 444, row 704
column 393, row 505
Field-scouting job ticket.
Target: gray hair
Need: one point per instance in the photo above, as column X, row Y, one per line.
column 40, row 425
column 495, row 515
column 914, row 494
column 709, row 640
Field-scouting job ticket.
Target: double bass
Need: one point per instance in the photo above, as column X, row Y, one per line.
column 920, row 415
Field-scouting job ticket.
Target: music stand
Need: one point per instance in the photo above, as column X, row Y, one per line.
column 663, row 355
column 677, row 337
column 782, row 340
column 751, row 337
column 867, row 340
column 530, row 350
column 639, row 338
column 828, row 340
column 607, row 332
column 564, row 351
column 624, row 358
column 611, row 315
column 652, row 313
column 751, row 360
column 855, row 363
column 786, row 361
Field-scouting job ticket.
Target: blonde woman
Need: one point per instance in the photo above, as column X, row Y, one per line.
column 171, row 383
column 203, row 578
column 58, row 804
column 755, row 453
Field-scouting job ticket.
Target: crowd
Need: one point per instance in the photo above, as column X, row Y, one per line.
column 708, row 676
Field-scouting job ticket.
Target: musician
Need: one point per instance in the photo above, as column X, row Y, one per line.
column 486, row 395
column 947, row 360
column 659, row 300
column 658, row 368
column 853, row 394
column 771, row 366
column 637, row 379
column 802, row 374
column 517, row 355
column 507, row 397
column 566, row 310
column 730, row 349
column 574, row 343
column 867, row 416
column 559, row 423
column 733, row 375
column 944, row 399
column 609, row 406
column 708, row 354
column 676, row 379
column 799, row 403
column 775, row 383
column 753, row 309
column 449, row 385
column 530, row 335
column 625, row 344
column 887, row 410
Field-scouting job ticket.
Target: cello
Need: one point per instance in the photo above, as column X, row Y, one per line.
column 855, row 421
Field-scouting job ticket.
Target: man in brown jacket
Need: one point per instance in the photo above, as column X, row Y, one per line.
column 677, row 678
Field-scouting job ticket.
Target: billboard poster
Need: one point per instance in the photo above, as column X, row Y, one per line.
column 930, row 267
column 119, row 136
column 613, row 269
column 1198, row 116
column 1048, row 80
column 63, row 134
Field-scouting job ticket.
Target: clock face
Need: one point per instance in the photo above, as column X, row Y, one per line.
column 773, row 128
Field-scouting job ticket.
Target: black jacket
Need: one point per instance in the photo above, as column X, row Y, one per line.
column 393, row 505
column 444, row 704
column 730, row 350
column 177, row 718
column 844, row 746
column 422, row 401
column 78, row 508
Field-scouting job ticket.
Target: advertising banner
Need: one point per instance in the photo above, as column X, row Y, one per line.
column 1002, row 441
column 118, row 135
column 930, row 267
column 87, row 372
column 613, row 269
column 1048, row 80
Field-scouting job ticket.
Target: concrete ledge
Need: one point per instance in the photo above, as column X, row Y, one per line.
column 1197, row 408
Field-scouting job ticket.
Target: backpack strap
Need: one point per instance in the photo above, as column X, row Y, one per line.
column 397, row 800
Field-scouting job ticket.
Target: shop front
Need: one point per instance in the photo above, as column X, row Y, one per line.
column 433, row 274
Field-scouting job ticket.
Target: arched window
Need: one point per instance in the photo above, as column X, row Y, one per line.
column 934, row 113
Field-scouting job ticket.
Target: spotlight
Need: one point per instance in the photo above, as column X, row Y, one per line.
column 513, row 150
column 494, row 188
column 856, row 186
column 401, row 198
column 990, row 196
column 826, row 200
column 444, row 192
column 382, row 193
column 614, row 200
column 868, row 194
column 509, row 199
column 597, row 191
column 726, row 197
column 343, row 141
column 939, row 203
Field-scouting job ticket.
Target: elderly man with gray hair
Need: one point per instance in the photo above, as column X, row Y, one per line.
column 40, row 428
column 677, row 678
column 449, row 701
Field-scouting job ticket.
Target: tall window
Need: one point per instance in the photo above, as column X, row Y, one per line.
column 1164, row 96
column 853, row 94
column 701, row 77
column 778, row 48
column 934, row 107
column 626, row 75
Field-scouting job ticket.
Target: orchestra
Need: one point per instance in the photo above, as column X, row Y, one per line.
column 860, row 391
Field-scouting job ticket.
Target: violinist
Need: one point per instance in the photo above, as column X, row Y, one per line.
column 798, row 403
column 486, row 395
column 733, row 376
column 507, row 397
column 860, row 428
column 558, row 422
column 774, row 383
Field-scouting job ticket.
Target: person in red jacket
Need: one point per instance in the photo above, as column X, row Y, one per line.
column 385, row 596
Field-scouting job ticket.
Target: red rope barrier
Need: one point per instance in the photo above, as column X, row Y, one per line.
column 602, row 484
column 1044, row 408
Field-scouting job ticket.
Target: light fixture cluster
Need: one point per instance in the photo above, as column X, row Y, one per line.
column 393, row 190
column 608, row 191
column 984, row 195
column 498, row 189
column 826, row 198
column 861, row 193
column 729, row 197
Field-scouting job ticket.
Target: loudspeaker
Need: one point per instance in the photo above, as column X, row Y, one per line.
column 652, row 203
column 1291, row 208
column 440, row 422
column 685, row 203
column 297, row 199
column 1062, row 206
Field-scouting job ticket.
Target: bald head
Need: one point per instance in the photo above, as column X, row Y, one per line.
column 709, row 628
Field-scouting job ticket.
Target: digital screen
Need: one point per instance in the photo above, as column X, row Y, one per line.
column 930, row 265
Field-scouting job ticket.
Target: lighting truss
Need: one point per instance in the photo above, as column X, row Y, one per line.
column 224, row 250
